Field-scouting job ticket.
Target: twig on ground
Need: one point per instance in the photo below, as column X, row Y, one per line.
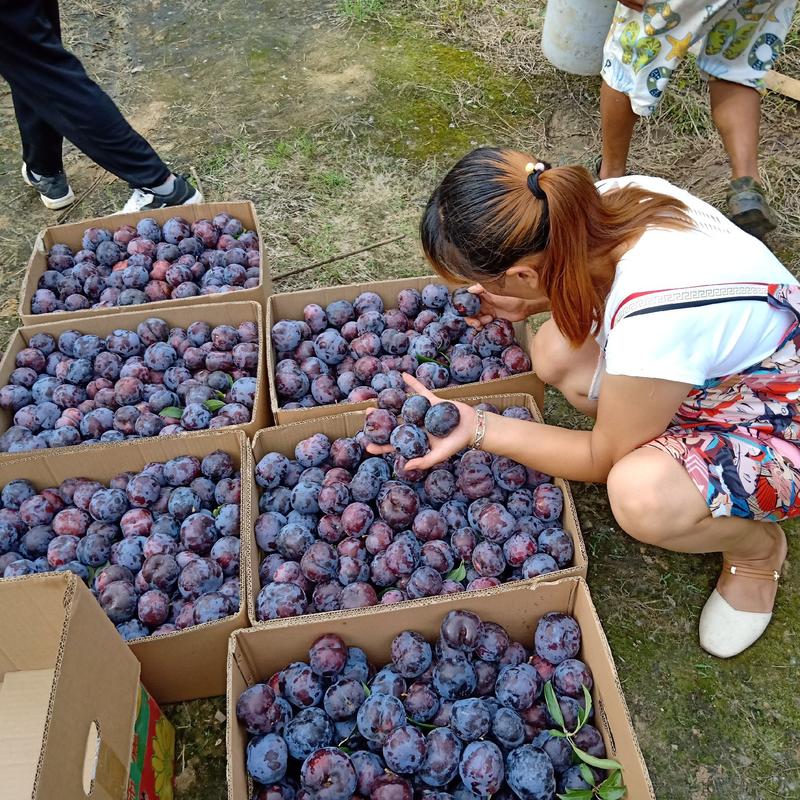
column 198, row 183
column 64, row 214
column 340, row 257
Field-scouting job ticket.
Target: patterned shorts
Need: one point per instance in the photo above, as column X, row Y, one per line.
column 736, row 40
column 739, row 436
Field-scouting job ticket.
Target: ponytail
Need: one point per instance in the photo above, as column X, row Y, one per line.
column 492, row 209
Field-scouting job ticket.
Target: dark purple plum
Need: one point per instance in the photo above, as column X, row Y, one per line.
column 465, row 303
column 540, row 564
column 557, row 543
column 548, row 502
column 435, row 296
column 461, row 630
column 210, row 607
column 481, row 768
column 404, row 750
column 378, row 716
column 313, row 451
column 200, row 576
column 279, row 600
column 266, row 758
column 442, row 419
column 330, row 347
column 442, row 755
column 379, row 426
column 529, row 773
column 470, row 719
column 153, row 608
column 339, row 312
column 118, row 599
column 315, row 317
column 358, row 595
column 409, row 440
column 411, row 654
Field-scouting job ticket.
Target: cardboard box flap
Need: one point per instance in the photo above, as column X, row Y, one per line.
column 110, row 705
column 24, row 646
column 84, row 687
column 24, row 701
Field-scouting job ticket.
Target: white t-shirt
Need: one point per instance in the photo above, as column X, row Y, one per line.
column 691, row 345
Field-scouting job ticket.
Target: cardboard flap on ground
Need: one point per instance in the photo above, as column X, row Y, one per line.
column 284, row 438
column 175, row 316
column 64, row 667
column 71, row 235
column 255, row 654
column 290, row 305
column 186, row 664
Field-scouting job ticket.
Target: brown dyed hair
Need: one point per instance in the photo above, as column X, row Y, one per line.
column 483, row 218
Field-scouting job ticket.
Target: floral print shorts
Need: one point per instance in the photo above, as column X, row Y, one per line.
column 739, row 436
column 738, row 40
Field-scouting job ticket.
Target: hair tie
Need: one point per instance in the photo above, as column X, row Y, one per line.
column 534, row 171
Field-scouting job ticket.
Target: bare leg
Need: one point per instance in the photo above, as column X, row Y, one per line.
column 655, row 501
column 617, row 122
column 736, row 111
column 567, row 368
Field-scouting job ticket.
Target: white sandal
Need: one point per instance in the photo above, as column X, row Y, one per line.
column 724, row 630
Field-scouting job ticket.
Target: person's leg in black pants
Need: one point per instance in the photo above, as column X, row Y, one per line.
column 41, row 144
column 54, row 97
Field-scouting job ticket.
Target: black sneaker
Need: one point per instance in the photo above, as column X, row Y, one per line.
column 182, row 194
column 54, row 190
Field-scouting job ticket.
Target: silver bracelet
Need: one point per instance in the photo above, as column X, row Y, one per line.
column 480, row 430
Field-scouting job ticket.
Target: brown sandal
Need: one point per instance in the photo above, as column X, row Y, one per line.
column 742, row 571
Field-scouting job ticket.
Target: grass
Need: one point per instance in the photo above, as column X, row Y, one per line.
column 337, row 132
column 359, row 10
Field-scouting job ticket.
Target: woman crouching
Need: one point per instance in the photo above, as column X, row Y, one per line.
column 673, row 328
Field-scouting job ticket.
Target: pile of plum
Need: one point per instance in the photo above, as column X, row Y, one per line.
column 159, row 548
column 341, row 529
column 352, row 352
column 148, row 263
column 460, row 720
column 155, row 380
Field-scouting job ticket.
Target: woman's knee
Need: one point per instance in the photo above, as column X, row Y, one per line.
column 647, row 495
column 552, row 356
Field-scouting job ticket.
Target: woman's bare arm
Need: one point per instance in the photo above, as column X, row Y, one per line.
column 631, row 412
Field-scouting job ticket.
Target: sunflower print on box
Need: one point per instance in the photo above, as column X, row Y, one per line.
column 153, row 753
column 737, row 40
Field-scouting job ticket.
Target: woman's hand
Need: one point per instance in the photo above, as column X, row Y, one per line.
column 495, row 306
column 441, row 448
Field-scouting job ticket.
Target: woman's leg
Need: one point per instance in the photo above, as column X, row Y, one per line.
column 655, row 501
column 568, row 369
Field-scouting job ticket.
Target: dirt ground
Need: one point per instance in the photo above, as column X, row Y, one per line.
column 335, row 118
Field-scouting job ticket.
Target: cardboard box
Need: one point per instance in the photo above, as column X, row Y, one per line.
column 256, row 653
column 284, row 438
column 72, row 233
column 186, row 664
column 291, row 304
column 68, row 698
column 217, row 314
